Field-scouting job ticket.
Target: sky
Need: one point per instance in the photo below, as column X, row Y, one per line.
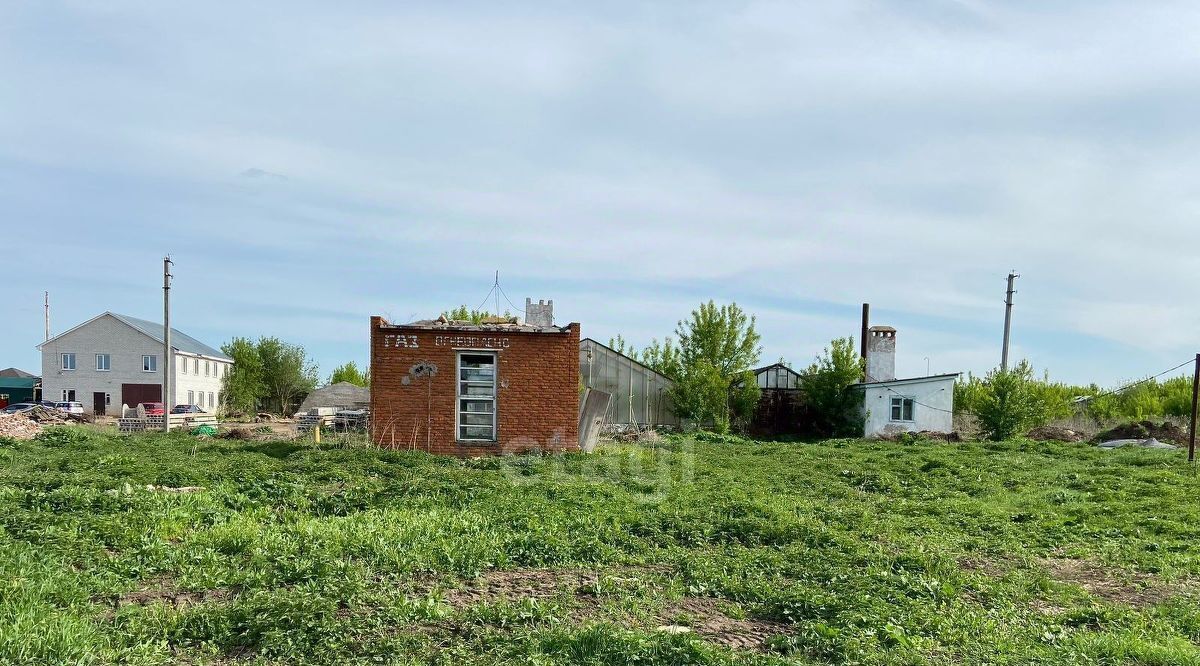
column 309, row 164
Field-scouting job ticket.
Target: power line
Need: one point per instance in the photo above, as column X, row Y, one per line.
column 948, row 411
column 1142, row 381
column 514, row 305
column 479, row 308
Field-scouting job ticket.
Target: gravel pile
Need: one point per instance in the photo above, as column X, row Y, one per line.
column 17, row 426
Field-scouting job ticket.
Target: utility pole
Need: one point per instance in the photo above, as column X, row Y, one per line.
column 47, row 314
column 496, row 287
column 1195, row 409
column 1008, row 303
column 166, row 390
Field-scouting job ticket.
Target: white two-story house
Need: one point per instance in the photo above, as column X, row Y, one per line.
column 113, row 360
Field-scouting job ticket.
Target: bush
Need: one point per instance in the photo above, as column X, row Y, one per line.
column 1010, row 403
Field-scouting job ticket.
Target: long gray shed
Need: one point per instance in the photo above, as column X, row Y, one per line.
column 639, row 394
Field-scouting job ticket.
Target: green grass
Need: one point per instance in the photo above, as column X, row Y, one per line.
column 846, row 552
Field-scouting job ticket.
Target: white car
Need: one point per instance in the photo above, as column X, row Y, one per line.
column 69, row 407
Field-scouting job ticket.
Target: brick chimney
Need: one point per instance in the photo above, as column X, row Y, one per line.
column 881, row 354
column 540, row 313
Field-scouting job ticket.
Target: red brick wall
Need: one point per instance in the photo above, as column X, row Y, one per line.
column 537, row 392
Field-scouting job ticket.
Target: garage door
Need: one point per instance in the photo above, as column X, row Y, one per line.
column 132, row 394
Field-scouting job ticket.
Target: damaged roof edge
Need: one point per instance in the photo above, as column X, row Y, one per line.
column 457, row 326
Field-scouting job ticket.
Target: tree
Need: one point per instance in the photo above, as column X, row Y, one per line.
column 350, row 373
column 701, row 394
column 242, row 385
column 663, row 357
column 288, row 375
column 836, row 408
column 712, row 365
column 1009, row 403
column 724, row 336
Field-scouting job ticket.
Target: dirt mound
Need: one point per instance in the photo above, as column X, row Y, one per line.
column 237, row 433
column 952, row 436
column 18, row 426
column 1163, row 432
column 1054, row 434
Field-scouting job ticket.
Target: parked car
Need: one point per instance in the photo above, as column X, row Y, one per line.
column 69, row 407
column 19, row 407
column 187, row 409
column 153, row 408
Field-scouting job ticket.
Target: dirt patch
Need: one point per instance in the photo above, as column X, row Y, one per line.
column 524, row 584
column 163, row 590
column 704, row 616
column 1163, row 432
column 1054, row 434
column 1111, row 585
column 584, row 592
column 990, row 567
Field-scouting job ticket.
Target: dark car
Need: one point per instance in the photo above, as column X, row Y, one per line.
column 19, row 407
column 187, row 409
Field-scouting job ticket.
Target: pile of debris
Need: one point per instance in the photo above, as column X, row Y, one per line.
column 1054, row 434
column 46, row 416
column 17, row 426
column 1142, row 430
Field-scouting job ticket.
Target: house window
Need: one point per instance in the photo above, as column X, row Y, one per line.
column 211, row 403
column 67, row 361
column 476, row 397
column 103, row 362
column 183, row 366
column 195, row 366
column 149, row 364
column 68, row 395
column 902, row 409
column 191, row 398
column 107, row 399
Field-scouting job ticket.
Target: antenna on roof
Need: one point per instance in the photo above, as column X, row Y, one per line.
column 47, row 314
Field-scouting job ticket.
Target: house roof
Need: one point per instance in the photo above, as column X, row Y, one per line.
column 911, row 380
column 180, row 341
column 17, row 372
column 759, row 371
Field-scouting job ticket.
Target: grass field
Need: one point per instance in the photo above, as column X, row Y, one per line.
column 838, row 552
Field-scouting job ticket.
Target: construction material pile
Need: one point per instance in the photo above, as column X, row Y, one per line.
column 46, row 416
column 17, row 426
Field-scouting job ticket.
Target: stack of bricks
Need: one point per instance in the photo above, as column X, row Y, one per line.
column 537, row 387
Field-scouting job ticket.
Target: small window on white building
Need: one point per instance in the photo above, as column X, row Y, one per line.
column 103, row 362
column 67, row 361
column 206, row 369
column 183, row 366
column 68, row 395
column 902, row 409
column 195, row 366
column 107, row 399
column 191, row 398
column 211, row 403
column 149, row 363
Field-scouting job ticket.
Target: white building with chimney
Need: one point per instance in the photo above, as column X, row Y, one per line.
column 894, row 405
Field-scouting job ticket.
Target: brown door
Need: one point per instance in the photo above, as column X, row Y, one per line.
column 133, row 394
column 98, row 404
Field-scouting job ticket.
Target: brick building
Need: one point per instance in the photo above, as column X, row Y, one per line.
column 461, row 389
